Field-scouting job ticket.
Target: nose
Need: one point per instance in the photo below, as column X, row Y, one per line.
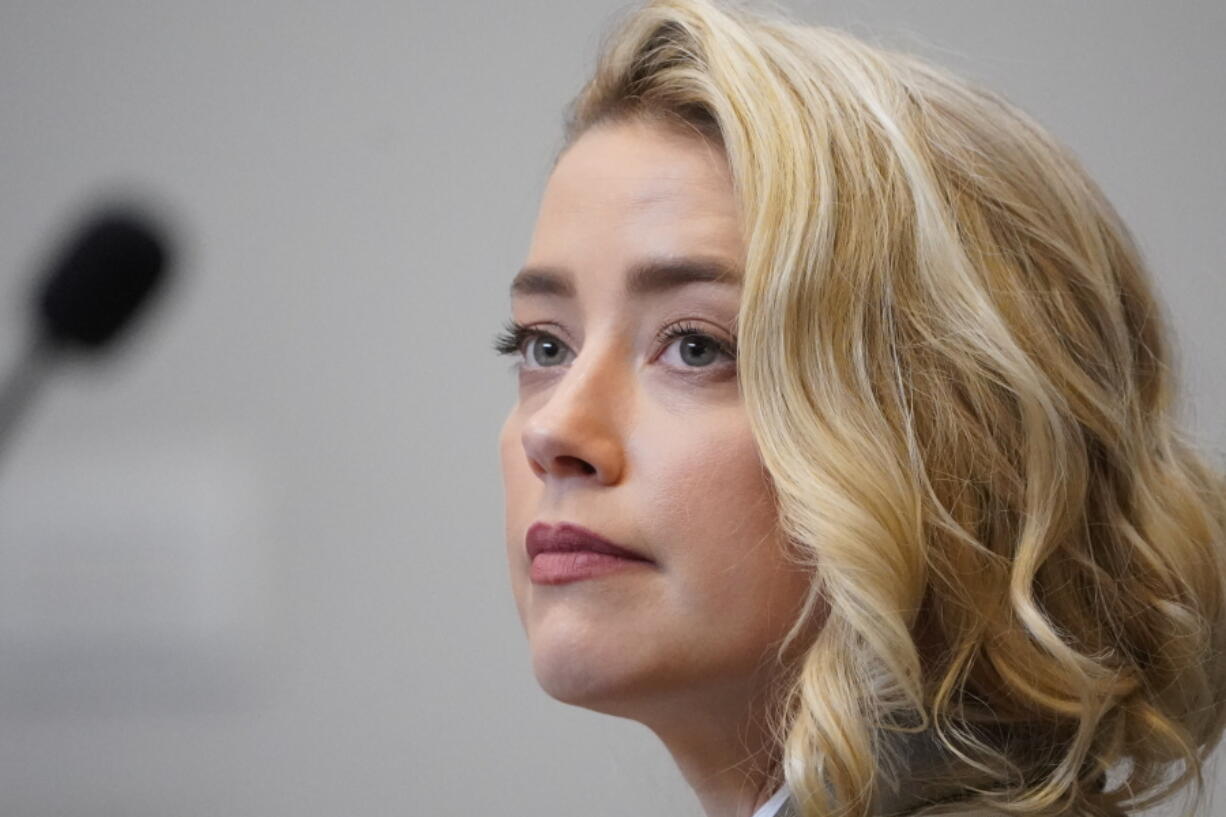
column 577, row 432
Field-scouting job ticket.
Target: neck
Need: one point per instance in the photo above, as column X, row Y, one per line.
column 725, row 753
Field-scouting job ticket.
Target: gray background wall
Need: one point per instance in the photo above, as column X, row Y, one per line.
column 254, row 564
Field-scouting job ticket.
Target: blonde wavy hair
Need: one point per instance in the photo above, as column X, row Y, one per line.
column 961, row 384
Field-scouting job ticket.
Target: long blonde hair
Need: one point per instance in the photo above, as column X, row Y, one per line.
column 960, row 381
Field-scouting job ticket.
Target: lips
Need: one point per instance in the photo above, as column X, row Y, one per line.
column 566, row 537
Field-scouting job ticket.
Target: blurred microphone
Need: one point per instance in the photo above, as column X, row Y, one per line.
column 93, row 289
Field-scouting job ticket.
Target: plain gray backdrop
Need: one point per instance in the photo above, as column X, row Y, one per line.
column 253, row 565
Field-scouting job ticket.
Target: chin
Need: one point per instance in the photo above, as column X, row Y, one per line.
column 579, row 674
column 573, row 671
column 574, row 683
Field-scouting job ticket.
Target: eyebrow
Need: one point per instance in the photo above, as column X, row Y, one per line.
column 648, row 277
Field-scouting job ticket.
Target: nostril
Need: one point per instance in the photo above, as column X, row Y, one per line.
column 583, row 466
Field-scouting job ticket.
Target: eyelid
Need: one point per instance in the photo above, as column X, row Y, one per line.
column 516, row 335
column 685, row 328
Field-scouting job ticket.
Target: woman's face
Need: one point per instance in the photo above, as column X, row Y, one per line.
column 642, row 440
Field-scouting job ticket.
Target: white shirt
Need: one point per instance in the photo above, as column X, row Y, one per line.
column 771, row 807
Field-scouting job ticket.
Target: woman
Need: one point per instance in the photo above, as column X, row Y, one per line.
column 844, row 457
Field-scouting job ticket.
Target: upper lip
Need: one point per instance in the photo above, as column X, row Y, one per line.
column 566, row 536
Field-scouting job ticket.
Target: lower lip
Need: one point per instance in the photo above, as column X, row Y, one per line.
column 560, row 567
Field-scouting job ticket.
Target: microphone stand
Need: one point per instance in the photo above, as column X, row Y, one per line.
column 22, row 383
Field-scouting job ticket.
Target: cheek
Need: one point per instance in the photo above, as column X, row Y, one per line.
column 730, row 588
column 517, row 476
column 717, row 516
column 505, row 439
column 517, row 482
column 710, row 479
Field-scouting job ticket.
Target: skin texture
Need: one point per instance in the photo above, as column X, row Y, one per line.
column 650, row 447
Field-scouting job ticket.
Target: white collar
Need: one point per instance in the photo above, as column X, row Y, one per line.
column 771, row 807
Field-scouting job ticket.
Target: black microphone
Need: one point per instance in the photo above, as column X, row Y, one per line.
column 88, row 296
column 101, row 280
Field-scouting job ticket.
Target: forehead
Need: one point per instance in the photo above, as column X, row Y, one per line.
column 637, row 188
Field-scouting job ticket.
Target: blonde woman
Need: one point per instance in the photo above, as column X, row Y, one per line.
column 844, row 457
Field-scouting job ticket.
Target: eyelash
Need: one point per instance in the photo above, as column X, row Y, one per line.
column 511, row 340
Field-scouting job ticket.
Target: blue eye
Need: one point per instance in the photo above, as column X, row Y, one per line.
column 697, row 345
column 699, row 350
column 515, row 336
column 546, row 350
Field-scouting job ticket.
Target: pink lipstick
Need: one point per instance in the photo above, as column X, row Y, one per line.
column 565, row 553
